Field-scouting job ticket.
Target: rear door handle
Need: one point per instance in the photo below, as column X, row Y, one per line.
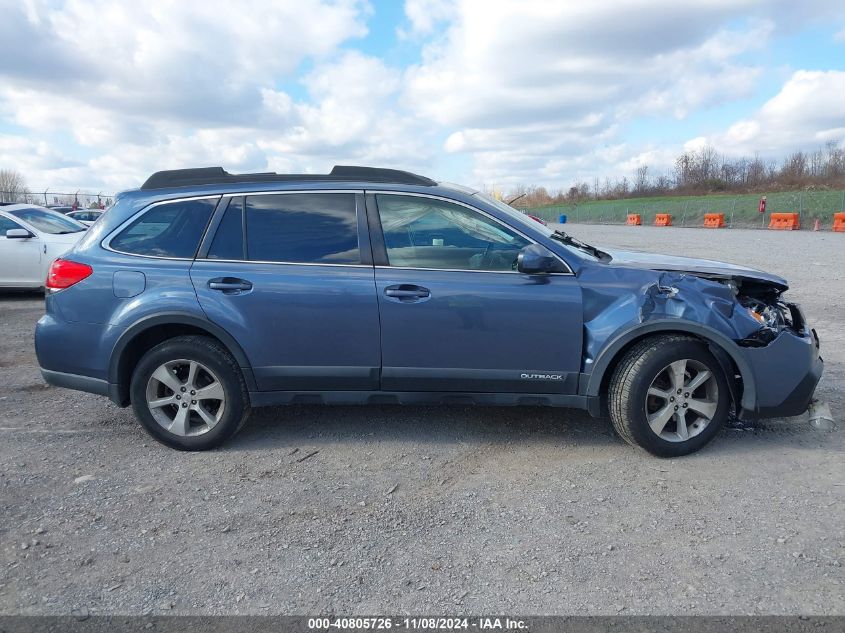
column 407, row 292
column 230, row 285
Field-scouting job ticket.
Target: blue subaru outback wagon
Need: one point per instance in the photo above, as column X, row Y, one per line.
column 203, row 294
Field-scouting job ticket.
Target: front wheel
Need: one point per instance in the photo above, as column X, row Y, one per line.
column 188, row 393
column 668, row 395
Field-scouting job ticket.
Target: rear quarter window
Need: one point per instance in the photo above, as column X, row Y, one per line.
column 173, row 229
column 228, row 241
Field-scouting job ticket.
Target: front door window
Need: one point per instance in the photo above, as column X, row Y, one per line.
column 424, row 232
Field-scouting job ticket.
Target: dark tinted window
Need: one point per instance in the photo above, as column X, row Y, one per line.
column 168, row 230
column 423, row 232
column 306, row 228
column 84, row 216
column 228, row 241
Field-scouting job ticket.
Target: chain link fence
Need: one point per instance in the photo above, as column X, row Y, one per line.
column 740, row 211
column 84, row 200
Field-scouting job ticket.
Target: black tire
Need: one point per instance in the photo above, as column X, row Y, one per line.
column 214, row 357
column 627, row 394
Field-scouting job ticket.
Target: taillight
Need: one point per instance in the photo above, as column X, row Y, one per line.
column 64, row 273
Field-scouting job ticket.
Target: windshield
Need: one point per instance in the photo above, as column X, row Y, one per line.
column 48, row 221
column 573, row 245
column 514, row 213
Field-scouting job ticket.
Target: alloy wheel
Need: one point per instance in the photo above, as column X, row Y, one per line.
column 682, row 400
column 185, row 397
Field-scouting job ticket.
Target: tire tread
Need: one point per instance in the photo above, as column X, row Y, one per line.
column 619, row 387
column 218, row 351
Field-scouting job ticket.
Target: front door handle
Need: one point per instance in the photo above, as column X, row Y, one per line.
column 230, row 285
column 407, row 292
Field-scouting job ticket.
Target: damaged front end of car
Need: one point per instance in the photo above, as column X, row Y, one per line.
column 762, row 342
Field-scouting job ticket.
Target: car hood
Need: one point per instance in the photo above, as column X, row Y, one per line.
column 700, row 267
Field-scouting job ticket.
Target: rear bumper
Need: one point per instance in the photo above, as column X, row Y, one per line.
column 84, row 383
column 75, row 381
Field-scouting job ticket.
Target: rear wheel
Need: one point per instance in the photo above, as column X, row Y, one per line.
column 668, row 395
column 189, row 393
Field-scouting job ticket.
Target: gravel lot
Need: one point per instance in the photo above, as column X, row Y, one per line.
column 428, row 510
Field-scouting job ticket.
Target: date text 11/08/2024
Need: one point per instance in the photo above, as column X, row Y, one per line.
column 420, row 623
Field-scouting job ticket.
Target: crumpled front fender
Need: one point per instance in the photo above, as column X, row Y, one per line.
column 721, row 346
column 623, row 304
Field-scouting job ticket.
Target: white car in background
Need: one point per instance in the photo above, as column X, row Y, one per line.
column 31, row 237
column 86, row 216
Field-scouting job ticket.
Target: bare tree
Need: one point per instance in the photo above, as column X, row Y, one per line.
column 835, row 160
column 641, row 180
column 703, row 171
column 794, row 169
column 12, row 186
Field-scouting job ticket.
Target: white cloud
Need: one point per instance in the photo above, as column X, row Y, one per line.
column 33, row 154
column 101, row 93
column 514, row 81
column 337, row 123
column 805, row 114
column 350, row 115
column 425, row 15
column 151, row 85
column 194, row 62
column 520, row 61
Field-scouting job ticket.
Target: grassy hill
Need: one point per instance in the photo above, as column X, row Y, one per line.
column 739, row 210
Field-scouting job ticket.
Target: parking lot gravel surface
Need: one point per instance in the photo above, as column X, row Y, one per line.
column 363, row 510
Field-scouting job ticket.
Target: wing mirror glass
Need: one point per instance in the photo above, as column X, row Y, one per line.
column 536, row 259
column 18, row 234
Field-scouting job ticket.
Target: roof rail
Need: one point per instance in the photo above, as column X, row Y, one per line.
column 218, row 175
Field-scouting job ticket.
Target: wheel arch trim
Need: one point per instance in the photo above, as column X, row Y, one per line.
column 721, row 346
column 174, row 318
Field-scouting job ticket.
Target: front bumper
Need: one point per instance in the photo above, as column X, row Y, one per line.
column 786, row 373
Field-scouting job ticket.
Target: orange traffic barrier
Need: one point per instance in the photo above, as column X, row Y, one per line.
column 634, row 219
column 784, row 221
column 714, row 220
column 663, row 219
column 839, row 222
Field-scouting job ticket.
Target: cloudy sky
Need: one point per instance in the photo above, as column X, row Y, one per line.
column 98, row 94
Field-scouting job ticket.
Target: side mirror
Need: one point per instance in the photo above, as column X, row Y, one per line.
column 536, row 259
column 18, row 234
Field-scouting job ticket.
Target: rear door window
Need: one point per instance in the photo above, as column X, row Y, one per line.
column 308, row 228
column 173, row 229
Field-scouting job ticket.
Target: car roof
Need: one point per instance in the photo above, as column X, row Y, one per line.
column 22, row 205
column 212, row 181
